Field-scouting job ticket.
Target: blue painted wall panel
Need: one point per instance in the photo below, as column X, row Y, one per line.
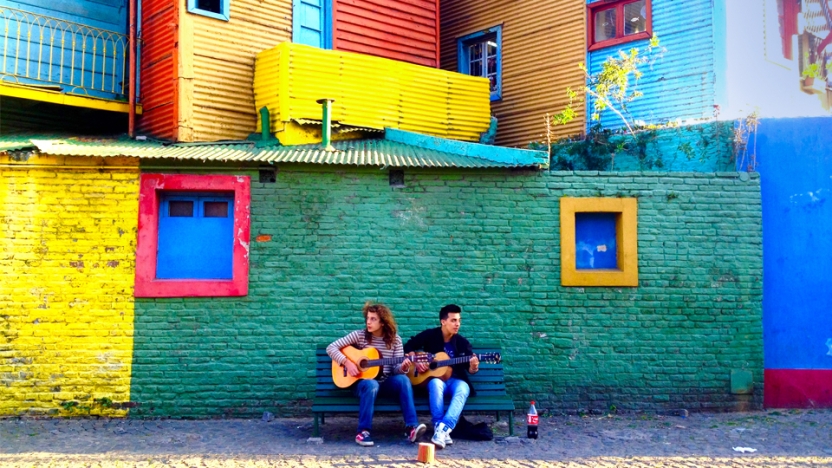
column 796, row 174
column 104, row 14
column 195, row 246
column 680, row 81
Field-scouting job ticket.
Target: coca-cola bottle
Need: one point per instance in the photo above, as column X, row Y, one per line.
column 531, row 422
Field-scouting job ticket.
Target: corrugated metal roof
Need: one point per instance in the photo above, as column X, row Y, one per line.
column 374, row 153
column 370, row 152
column 11, row 143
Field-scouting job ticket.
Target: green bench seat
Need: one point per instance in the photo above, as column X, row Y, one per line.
column 488, row 383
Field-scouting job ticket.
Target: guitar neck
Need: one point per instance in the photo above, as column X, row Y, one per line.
column 454, row 361
column 385, row 362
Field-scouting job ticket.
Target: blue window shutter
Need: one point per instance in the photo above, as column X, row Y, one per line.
column 195, row 247
column 311, row 24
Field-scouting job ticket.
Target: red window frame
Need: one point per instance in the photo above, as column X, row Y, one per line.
column 149, row 194
column 620, row 38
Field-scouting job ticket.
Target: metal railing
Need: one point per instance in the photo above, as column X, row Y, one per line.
column 37, row 49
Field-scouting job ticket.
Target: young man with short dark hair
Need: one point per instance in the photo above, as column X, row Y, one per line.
column 446, row 338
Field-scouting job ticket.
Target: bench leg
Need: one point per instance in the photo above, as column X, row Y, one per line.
column 316, row 431
column 498, row 415
column 511, row 423
column 323, row 418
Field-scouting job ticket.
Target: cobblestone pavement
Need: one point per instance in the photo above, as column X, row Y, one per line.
column 781, row 438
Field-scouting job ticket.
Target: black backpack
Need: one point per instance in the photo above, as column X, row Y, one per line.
column 465, row 430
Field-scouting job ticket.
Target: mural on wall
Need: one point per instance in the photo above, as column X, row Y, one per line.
column 801, row 31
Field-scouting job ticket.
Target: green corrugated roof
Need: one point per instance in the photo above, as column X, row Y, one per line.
column 368, row 152
column 15, row 142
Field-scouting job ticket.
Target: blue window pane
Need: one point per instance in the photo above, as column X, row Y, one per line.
column 181, row 209
column 199, row 246
column 595, row 241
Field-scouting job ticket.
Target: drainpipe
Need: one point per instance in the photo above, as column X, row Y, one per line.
column 265, row 123
column 131, row 119
column 326, row 124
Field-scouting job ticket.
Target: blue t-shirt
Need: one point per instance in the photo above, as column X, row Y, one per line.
column 449, row 350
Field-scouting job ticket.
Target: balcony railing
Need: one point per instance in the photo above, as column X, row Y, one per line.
column 54, row 53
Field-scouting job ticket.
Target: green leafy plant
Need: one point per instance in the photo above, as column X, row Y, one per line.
column 811, row 70
column 611, row 87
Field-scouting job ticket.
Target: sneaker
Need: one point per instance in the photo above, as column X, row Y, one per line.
column 448, row 440
column 440, row 431
column 412, row 433
column 363, row 439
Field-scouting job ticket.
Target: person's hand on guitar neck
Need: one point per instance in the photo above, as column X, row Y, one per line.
column 473, row 365
column 352, row 369
column 421, row 366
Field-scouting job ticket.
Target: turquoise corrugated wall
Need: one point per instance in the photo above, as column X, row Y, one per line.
column 680, row 82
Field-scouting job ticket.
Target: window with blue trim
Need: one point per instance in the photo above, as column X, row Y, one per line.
column 480, row 55
column 196, row 236
column 219, row 9
column 312, row 23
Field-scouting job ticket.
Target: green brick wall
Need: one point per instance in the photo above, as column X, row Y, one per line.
column 488, row 241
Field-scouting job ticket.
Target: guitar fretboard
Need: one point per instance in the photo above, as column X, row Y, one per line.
column 384, row 362
column 454, row 361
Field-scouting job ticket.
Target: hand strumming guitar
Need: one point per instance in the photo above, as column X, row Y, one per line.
column 421, row 366
column 406, row 365
column 352, row 369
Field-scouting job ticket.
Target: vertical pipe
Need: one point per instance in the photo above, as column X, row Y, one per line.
column 265, row 123
column 131, row 119
column 326, row 124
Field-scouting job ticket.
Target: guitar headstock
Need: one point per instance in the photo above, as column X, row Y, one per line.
column 490, row 358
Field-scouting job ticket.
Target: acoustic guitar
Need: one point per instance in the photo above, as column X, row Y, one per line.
column 368, row 363
column 440, row 367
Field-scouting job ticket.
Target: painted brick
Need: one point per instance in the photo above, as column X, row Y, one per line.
column 67, row 237
column 339, row 238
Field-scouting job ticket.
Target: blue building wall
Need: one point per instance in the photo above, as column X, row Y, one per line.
column 680, row 81
column 796, row 174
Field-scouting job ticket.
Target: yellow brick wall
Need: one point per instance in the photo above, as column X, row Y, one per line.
column 67, row 258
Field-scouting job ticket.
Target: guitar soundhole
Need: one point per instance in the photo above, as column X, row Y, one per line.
column 362, row 365
column 432, row 366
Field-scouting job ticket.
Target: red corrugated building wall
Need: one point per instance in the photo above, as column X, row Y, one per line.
column 406, row 30
column 160, row 19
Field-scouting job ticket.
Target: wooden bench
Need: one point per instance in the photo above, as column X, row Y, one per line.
column 488, row 383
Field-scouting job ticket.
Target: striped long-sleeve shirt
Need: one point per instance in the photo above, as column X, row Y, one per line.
column 357, row 340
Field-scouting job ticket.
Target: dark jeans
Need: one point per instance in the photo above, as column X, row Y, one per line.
column 396, row 385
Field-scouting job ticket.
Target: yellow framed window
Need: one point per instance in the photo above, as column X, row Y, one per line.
column 598, row 241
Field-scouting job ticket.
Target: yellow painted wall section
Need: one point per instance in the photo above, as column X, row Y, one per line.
column 543, row 42
column 220, row 66
column 67, row 259
column 369, row 92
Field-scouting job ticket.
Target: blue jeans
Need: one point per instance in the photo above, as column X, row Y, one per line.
column 395, row 385
column 458, row 392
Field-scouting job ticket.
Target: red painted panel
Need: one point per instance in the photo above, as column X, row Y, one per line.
column 158, row 69
column 797, row 388
column 151, row 184
column 405, row 30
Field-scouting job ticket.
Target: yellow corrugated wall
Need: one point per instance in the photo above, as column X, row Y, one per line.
column 216, row 74
column 369, row 92
column 67, row 261
column 543, row 42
